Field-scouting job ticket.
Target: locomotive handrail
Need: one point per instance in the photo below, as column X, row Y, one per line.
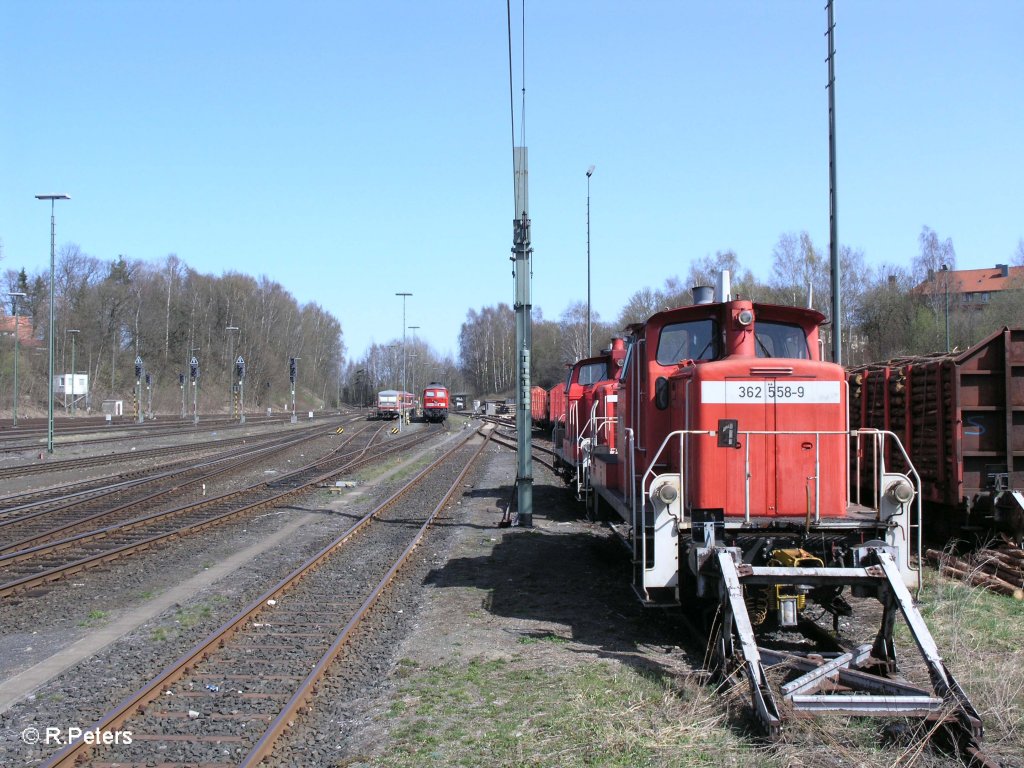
column 880, row 436
column 911, row 472
column 682, row 433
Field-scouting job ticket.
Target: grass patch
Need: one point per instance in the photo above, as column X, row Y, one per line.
column 189, row 617
column 95, row 616
column 546, row 637
column 500, row 713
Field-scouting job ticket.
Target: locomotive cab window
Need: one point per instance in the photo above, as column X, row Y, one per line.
column 775, row 339
column 692, row 340
column 593, row 372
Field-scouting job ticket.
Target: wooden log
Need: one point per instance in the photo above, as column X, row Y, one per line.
column 1010, row 558
column 979, row 579
column 959, row 569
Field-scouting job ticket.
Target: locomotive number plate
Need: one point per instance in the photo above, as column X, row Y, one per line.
column 769, row 390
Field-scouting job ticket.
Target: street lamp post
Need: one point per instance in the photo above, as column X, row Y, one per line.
column 74, row 332
column 590, row 340
column 414, row 354
column 15, row 296
column 53, row 253
column 945, row 268
column 231, row 362
column 401, row 395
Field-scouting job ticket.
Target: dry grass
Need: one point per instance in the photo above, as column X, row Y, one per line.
column 981, row 637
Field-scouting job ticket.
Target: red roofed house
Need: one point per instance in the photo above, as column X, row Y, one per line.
column 973, row 287
column 26, row 333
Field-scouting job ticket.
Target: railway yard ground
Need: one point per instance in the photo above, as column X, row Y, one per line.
column 494, row 647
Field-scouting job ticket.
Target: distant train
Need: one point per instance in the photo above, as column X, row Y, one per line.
column 391, row 404
column 435, row 402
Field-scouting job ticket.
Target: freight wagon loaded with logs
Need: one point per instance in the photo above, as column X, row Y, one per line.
column 960, row 416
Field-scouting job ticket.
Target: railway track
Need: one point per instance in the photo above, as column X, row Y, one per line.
column 507, row 441
column 12, row 440
column 78, row 463
column 33, row 566
column 16, row 505
column 228, row 700
column 29, row 525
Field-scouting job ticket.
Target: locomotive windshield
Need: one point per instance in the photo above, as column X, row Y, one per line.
column 593, row 372
column 775, row 339
column 692, row 340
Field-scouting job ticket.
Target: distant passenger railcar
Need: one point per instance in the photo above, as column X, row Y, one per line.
column 435, row 402
column 391, row 403
column 387, row 404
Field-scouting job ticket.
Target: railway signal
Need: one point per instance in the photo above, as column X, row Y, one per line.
column 293, row 373
column 140, row 370
column 240, row 374
column 193, row 369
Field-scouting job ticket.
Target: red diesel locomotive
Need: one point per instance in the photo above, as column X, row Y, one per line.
column 721, row 450
column 435, row 402
column 582, row 427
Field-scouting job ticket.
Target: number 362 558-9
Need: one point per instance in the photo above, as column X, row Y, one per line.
column 771, row 391
column 761, row 391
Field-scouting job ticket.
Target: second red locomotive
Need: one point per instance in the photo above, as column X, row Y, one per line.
column 435, row 402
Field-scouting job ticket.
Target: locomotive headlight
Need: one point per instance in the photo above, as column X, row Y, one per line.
column 668, row 493
column 745, row 317
column 900, row 491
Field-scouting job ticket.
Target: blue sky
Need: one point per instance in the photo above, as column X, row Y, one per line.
column 353, row 150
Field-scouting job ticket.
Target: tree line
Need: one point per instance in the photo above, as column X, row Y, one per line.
column 166, row 312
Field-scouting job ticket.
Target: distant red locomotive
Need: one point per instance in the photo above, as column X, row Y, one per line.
column 721, row 446
column 435, row 402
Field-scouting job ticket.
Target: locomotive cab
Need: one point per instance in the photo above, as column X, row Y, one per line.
column 730, row 428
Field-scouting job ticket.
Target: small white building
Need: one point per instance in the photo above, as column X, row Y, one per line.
column 72, row 388
column 66, row 384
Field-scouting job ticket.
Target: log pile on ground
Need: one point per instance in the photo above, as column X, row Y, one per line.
column 998, row 570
